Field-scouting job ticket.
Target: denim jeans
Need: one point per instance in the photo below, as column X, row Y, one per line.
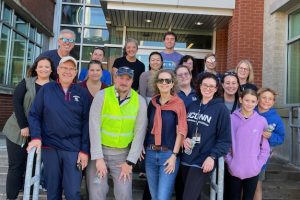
column 160, row 183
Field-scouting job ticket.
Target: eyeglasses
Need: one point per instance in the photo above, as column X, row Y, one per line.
column 205, row 86
column 166, row 80
column 68, row 69
column 244, row 68
column 183, row 74
column 211, row 59
column 71, row 40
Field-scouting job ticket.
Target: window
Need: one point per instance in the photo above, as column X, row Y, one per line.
column 87, row 20
column 20, row 44
column 293, row 61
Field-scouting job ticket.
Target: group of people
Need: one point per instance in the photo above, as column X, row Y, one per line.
column 177, row 121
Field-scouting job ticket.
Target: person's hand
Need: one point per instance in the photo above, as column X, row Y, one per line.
column 34, row 143
column 142, row 157
column 101, row 168
column 267, row 134
column 25, row 132
column 170, row 164
column 126, row 171
column 208, row 164
column 83, row 159
column 187, row 144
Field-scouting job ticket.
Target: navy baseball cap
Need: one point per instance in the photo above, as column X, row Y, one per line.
column 125, row 71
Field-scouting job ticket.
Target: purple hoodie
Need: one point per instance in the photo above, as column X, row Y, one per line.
column 250, row 151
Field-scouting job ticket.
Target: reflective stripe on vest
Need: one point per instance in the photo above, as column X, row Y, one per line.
column 118, row 122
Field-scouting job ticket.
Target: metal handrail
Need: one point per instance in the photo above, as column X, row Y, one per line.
column 295, row 155
column 35, row 180
column 217, row 189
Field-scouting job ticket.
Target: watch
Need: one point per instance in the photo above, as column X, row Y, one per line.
column 214, row 158
column 129, row 163
column 175, row 154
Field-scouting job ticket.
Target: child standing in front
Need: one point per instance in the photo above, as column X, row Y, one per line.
column 266, row 101
column 250, row 150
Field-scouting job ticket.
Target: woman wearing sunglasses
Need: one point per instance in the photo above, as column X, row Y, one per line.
column 208, row 136
column 167, row 128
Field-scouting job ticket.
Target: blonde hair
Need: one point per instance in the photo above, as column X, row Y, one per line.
column 250, row 78
column 263, row 90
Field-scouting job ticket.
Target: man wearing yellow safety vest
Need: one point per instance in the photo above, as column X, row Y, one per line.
column 117, row 124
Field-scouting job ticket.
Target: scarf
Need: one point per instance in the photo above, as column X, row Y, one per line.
column 174, row 104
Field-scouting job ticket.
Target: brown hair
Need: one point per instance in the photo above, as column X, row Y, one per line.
column 155, row 79
column 249, row 91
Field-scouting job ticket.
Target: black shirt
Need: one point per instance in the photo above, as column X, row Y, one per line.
column 18, row 100
column 137, row 66
column 249, row 86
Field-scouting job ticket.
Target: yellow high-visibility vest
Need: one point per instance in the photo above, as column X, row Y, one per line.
column 118, row 121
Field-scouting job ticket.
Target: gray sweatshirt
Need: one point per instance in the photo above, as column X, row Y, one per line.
column 135, row 149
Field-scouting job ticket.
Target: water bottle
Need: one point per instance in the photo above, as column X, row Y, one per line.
column 270, row 128
column 190, row 150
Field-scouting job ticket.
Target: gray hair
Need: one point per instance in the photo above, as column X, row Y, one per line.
column 68, row 31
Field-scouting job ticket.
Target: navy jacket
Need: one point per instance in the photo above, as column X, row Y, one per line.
column 214, row 127
column 61, row 120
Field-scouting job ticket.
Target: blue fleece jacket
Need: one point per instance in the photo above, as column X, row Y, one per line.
column 214, row 126
column 278, row 134
column 61, row 120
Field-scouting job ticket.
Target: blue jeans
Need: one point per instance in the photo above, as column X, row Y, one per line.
column 160, row 183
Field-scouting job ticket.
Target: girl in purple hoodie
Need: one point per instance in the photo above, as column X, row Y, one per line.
column 250, row 150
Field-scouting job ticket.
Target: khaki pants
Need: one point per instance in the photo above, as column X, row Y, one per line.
column 98, row 188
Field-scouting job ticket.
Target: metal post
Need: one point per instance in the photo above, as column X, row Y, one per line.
column 220, row 178
column 213, row 186
column 29, row 180
column 217, row 183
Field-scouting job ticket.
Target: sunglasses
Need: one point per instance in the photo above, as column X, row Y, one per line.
column 71, row 40
column 162, row 80
column 230, row 74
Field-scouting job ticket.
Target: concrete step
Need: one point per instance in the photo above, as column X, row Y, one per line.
column 287, row 190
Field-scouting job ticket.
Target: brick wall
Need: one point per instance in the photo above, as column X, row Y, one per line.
column 6, row 108
column 245, row 35
column 42, row 10
column 221, row 49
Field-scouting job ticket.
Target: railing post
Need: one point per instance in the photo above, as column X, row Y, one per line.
column 220, row 178
column 217, row 182
column 29, row 180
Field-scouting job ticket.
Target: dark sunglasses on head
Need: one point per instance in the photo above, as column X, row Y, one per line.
column 162, row 80
column 230, row 73
column 71, row 40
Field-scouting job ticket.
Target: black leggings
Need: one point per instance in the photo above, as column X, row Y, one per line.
column 237, row 185
column 194, row 179
column 17, row 157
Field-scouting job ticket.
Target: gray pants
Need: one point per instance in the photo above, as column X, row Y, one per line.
column 98, row 188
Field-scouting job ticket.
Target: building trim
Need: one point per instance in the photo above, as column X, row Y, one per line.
column 21, row 10
column 171, row 9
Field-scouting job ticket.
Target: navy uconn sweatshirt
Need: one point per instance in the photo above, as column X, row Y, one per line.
column 213, row 121
column 61, row 119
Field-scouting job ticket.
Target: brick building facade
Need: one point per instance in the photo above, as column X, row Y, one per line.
column 241, row 38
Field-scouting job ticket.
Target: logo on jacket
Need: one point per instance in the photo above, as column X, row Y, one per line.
column 199, row 118
column 76, row 98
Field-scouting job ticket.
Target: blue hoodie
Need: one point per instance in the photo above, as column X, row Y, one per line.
column 278, row 134
column 214, row 127
column 61, row 120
